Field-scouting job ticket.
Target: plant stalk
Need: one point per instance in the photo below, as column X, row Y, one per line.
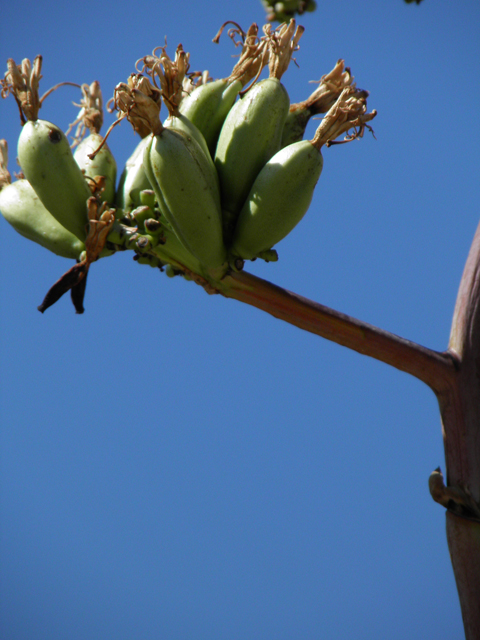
column 435, row 369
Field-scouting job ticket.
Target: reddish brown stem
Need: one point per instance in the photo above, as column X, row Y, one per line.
column 461, row 426
column 435, row 369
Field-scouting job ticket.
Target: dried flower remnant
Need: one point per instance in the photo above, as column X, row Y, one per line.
column 320, row 101
column 283, row 42
column 90, row 117
column 22, row 82
column 101, row 220
column 349, row 113
column 171, row 74
column 141, row 106
column 253, row 56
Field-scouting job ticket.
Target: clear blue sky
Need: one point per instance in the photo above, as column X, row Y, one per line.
column 178, row 466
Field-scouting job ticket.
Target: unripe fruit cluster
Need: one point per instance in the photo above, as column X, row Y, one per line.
column 223, row 179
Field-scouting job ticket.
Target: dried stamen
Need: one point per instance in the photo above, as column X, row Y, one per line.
column 348, row 113
column 90, row 116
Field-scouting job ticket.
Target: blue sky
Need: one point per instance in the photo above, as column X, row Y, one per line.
column 182, row 466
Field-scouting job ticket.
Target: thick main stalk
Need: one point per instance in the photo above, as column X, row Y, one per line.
column 436, row 369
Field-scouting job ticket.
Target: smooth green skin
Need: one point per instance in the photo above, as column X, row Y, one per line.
column 182, row 123
column 102, row 165
column 186, row 186
column 174, row 252
column 47, row 163
column 278, row 200
column 133, row 179
column 250, row 136
column 22, row 208
column 208, row 105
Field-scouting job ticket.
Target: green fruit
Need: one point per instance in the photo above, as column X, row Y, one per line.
column 133, row 179
column 207, row 107
column 22, row 208
column 283, row 190
column 278, row 200
column 103, row 164
column 250, row 136
column 181, row 122
column 186, row 186
column 47, row 163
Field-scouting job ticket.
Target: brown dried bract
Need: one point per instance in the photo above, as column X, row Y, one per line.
column 68, row 282
column 457, row 499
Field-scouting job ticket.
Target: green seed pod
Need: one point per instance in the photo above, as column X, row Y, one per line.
column 47, row 163
column 252, row 131
column 181, row 122
column 133, row 179
column 207, row 107
column 278, row 200
column 22, row 208
column 186, row 186
column 103, row 164
column 140, row 214
column 250, row 136
column 170, row 271
column 283, row 190
column 147, row 198
column 295, row 125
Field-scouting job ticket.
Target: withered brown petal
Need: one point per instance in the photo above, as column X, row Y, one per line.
column 77, row 294
column 69, row 279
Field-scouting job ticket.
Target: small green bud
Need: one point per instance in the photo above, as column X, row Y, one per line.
column 147, row 198
column 140, row 214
